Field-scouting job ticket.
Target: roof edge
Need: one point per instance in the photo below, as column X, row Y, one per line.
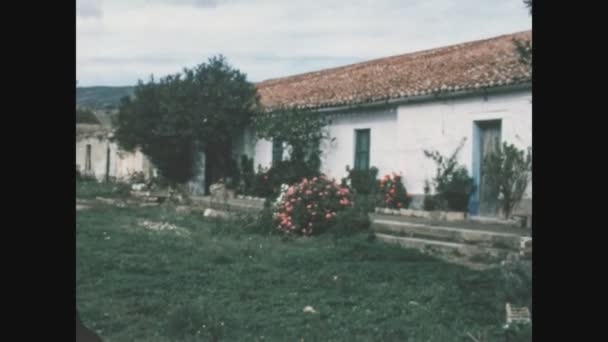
column 432, row 97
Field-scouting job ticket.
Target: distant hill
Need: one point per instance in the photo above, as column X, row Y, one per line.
column 101, row 97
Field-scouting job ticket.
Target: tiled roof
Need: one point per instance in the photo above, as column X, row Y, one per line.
column 479, row 64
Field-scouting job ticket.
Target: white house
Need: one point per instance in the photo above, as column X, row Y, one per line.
column 98, row 156
column 386, row 112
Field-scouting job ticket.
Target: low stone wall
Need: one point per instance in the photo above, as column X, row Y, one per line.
column 433, row 215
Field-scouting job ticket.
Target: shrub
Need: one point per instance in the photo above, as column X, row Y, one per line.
column 233, row 175
column 453, row 185
column 311, row 206
column 363, row 182
column 394, row 194
column 508, row 173
column 247, row 175
column 267, row 183
column 430, row 202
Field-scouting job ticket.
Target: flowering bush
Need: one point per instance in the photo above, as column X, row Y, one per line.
column 394, row 194
column 310, row 207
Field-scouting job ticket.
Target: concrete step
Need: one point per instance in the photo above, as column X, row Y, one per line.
column 447, row 234
column 471, row 225
column 230, row 205
column 449, row 250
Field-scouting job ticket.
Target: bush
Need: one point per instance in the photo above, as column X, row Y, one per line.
column 453, row 186
column 430, row 201
column 311, row 206
column 393, row 192
column 508, row 173
column 267, row 183
column 363, row 182
column 247, row 175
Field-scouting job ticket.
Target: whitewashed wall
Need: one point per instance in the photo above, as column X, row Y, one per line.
column 442, row 125
column 341, row 152
column 400, row 135
column 122, row 163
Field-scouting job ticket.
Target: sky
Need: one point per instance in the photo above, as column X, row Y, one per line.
column 120, row 42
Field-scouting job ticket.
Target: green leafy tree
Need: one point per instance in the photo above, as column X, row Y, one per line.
column 524, row 47
column 175, row 119
column 508, row 173
column 303, row 131
column 528, row 4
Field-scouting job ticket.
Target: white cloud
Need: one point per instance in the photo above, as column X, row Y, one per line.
column 273, row 38
column 89, row 8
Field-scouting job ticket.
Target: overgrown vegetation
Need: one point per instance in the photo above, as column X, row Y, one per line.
column 221, row 282
column 363, row 182
column 452, row 183
column 508, row 172
column 303, row 131
column 199, row 110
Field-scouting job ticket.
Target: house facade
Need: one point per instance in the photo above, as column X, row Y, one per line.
column 98, row 156
column 385, row 113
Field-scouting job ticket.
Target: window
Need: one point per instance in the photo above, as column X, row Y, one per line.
column 87, row 159
column 277, row 151
column 362, row 138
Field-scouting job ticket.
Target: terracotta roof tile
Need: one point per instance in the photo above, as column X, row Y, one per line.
column 484, row 63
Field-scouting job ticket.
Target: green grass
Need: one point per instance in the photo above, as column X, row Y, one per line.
column 92, row 189
column 220, row 283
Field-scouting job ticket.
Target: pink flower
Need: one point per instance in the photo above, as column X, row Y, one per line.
column 328, row 216
column 308, row 192
column 309, row 206
column 290, row 191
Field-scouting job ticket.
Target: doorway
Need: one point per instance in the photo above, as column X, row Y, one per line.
column 486, row 135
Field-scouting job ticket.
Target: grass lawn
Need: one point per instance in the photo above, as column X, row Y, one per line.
column 220, row 283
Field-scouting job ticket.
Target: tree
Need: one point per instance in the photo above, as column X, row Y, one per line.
column 302, row 130
column 508, row 173
column 524, row 47
column 199, row 110
column 528, row 3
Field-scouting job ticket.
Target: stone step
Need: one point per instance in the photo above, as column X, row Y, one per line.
column 447, row 234
column 447, row 249
column 471, row 225
column 230, row 205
